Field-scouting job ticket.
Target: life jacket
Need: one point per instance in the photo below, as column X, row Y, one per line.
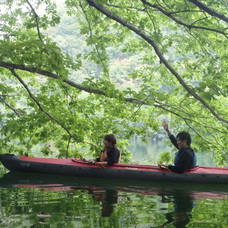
column 193, row 157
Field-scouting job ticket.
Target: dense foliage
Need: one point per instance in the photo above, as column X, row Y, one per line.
column 71, row 75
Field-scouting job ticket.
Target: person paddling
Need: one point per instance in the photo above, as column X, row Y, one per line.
column 110, row 155
column 185, row 158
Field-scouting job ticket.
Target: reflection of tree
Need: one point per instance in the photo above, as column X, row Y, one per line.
column 108, row 197
column 181, row 215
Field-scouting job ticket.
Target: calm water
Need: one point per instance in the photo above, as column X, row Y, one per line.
column 31, row 200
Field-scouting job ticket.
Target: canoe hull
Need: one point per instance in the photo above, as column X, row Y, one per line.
column 69, row 168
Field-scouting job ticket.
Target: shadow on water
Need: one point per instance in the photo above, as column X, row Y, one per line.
column 181, row 197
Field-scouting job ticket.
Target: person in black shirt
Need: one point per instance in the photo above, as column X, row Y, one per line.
column 110, row 154
column 185, row 158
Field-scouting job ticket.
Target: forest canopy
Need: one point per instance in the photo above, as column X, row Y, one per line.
column 74, row 70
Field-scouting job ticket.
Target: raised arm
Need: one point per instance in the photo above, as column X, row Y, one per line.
column 166, row 128
column 172, row 137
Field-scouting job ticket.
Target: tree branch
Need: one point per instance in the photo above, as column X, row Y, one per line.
column 39, row 105
column 44, row 111
column 36, row 19
column 8, row 95
column 11, row 66
column 197, row 133
column 68, row 145
column 209, row 10
column 125, row 7
column 191, row 26
column 169, row 14
column 130, row 26
column 131, row 100
column 186, row 112
column 12, row 108
column 185, row 11
column 92, row 37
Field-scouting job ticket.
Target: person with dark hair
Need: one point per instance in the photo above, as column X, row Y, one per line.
column 110, row 154
column 185, row 158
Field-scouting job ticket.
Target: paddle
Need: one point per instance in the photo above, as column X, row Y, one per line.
column 87, row 162
column 164, row 167
column 120, row 165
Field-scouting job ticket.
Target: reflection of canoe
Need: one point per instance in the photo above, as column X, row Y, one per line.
column 64, row 183
column 121, row 171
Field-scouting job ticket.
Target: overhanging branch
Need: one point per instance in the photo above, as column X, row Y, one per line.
column 39, row 105
column 157, row 104
column 139, row 32
column 11, row 66
column 12, row 108
column 125, row 7
column 92, row 37
column 36, row 19
column 209, row 10
column 189, row 26
column 45, row 112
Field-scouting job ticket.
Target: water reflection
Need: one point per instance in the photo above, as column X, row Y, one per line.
column 87, row 202
column 107, row 197
column 181, row 214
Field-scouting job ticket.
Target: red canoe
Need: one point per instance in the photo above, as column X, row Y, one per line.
column 72, row 167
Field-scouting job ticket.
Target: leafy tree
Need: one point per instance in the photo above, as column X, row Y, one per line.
column 181, row 75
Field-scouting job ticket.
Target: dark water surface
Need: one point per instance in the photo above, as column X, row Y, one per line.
column 38, row 200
